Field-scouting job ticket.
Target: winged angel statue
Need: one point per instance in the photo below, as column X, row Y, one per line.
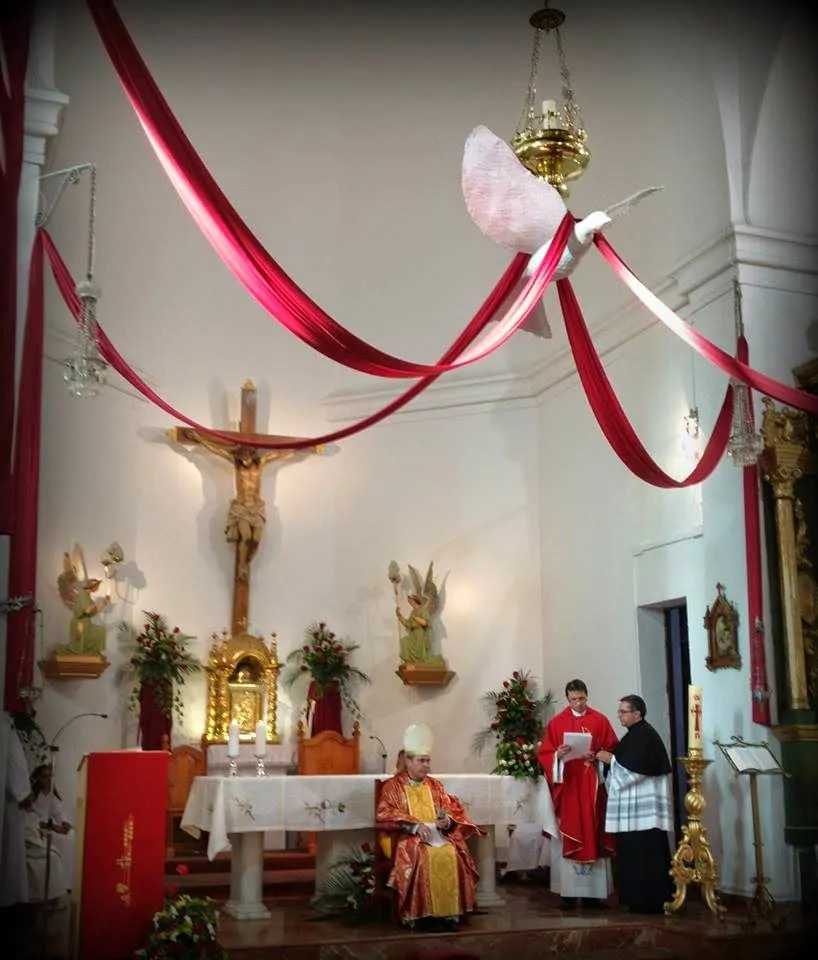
column 517, row 210
column 76, row 590
column 424, row 603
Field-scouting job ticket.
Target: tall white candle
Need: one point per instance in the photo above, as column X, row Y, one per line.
column 261, row 738
column 233, row 739
column 694, row 718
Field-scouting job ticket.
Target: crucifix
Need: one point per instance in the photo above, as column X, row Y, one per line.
column 247, row 514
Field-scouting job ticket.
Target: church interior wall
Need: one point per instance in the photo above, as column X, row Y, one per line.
column 522, row 504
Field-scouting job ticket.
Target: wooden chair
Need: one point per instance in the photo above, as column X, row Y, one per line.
column 386, row 844
column 185, row 764
column 327, row 754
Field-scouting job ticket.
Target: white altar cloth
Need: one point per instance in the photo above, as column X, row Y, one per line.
column 237, row 810
column 230, row 805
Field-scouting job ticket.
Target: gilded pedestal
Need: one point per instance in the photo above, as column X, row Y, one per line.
column 693, row 861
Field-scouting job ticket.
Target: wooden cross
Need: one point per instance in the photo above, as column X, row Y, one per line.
column 247, row 515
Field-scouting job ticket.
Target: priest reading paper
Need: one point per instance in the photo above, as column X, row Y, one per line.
column 434, row 875
column 580, row 864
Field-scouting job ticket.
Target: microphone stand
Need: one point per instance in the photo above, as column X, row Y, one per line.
column 383, row 749
column 49, row 830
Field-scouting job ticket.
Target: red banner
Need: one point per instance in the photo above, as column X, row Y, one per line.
column 121, row 854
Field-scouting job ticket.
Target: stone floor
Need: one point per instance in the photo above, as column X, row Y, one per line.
column 531, row 925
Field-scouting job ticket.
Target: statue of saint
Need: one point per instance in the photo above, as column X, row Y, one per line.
column 84, row 636
column 416, row 642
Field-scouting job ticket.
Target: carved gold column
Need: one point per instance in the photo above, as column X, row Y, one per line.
column 784, row 460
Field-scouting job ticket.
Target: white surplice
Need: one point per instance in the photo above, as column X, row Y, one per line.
column 46, row 807
column 16, row 787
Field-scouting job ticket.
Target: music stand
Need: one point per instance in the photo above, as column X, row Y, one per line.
column 754, row 760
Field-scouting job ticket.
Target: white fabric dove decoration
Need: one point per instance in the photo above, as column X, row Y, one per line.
column 514, row 208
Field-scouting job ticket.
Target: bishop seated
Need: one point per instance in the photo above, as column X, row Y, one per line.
column 433, row 874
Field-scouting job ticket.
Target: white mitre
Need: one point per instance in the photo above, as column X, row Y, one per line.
column 418, row 740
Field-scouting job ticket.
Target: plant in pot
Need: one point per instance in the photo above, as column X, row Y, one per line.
column 326, row 661
column 161, row 663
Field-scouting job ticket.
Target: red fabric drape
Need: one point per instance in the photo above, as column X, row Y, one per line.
column 501, row 290
column 732, row 366
column 25, row 490
column 241, row 250
column 759, row 688
column 612, row 418
column 15, row 29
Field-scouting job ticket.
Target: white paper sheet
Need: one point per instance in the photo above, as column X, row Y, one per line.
column 580, row 744
column 437, row 838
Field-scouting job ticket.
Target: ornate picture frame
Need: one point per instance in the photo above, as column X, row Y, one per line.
column 721, row 623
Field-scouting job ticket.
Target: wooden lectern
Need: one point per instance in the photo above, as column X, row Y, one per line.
column 120, row 862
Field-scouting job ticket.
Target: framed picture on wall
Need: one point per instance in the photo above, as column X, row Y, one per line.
column 721, row 623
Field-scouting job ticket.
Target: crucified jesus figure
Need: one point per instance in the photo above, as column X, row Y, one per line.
column 247, row 515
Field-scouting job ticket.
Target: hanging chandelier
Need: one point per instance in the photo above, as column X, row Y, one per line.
column 745, row 444
column 85, row 370
column 550, row 138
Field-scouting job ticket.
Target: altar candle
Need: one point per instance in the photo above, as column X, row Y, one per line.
column 261, row 738
column 549, row 106
column 694, row 718
column 233, row 739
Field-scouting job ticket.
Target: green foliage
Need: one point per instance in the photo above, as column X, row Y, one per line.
column 162, row 661
column 348, row 886
column 185, row 928
column 326, row 659
column 516, row 726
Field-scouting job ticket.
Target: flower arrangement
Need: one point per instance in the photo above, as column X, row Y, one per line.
column 326, row 658
column 162, row 661
column 516, row 726
column 348, row 887
column 184, row 928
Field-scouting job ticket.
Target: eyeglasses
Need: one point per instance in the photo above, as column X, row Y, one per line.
column 625, row 711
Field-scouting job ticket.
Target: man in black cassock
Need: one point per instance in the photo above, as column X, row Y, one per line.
column 639, row 810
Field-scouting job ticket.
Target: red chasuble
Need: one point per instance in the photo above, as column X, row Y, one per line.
column 579, row 800
column 430, row 881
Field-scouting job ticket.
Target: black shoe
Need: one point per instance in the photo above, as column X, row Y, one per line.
column 567, row 903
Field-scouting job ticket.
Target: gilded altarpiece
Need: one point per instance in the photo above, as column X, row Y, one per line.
column 789, row 467
column 242, row 683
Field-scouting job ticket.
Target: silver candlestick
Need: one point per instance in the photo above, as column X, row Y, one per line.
column 233, row 764
column 260, row 767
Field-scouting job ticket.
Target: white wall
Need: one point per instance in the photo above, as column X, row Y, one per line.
column 341, row 147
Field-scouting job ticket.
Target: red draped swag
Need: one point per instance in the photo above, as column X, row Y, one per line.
column 281, row 297
column 20, row 416
column 15, row 28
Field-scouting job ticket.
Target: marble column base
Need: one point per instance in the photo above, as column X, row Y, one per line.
column 486, row 857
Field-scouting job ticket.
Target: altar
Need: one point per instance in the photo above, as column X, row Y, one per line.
column 340, row 810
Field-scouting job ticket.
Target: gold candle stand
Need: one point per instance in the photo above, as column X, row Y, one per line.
column 693, row 861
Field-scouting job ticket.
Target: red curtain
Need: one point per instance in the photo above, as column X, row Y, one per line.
column 25, row 490
column 759, row 687
column 15, row 29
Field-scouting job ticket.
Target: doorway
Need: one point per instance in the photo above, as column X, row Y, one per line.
column 664, row 670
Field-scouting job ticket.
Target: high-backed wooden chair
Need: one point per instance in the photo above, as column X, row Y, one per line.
column 329, row 753
column 186, row 763
column 386, row 843
column 325, row 754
